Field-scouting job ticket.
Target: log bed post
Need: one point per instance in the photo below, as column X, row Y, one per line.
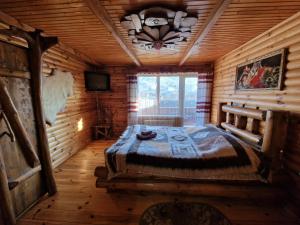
column 274, row 141
column 37, row 46
column 221, row 117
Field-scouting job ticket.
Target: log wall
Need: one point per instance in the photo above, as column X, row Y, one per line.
column 65, row 137
column 116, row 99
column 283, row 35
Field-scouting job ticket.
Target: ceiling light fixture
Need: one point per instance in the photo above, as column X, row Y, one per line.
column 158, row 28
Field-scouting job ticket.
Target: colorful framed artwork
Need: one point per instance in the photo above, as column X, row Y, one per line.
column 261, row 73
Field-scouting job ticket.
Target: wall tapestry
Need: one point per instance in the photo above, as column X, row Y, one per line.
column 262, row 73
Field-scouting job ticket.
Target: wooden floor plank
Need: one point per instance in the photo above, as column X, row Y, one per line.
column 79, row 202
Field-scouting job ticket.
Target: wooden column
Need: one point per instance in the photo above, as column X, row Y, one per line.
column 221, row 117
column 37, row 46
column 274, row 141
column 6, row 208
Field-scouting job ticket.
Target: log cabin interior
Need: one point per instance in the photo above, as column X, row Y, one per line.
column 149, row 112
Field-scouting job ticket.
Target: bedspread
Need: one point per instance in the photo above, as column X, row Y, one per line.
column 182, row 152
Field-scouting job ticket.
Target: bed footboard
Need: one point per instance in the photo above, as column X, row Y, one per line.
column 226, row 189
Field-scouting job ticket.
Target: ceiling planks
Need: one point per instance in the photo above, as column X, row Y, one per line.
column 210, row 22
column 241, row 22
column 77, row 26
column 102, row 15
column 118, row 8
column 8, row 21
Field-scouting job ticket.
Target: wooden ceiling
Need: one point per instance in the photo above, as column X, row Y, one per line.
column 242, row 21
column 79, row 26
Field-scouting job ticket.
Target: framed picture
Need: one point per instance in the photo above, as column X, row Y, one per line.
column 261, row 73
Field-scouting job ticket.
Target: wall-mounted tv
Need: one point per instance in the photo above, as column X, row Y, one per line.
column 97, row 81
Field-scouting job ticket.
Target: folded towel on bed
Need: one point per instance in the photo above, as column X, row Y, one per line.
column 146, row 135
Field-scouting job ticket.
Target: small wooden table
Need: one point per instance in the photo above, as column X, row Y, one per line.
column 104, row 130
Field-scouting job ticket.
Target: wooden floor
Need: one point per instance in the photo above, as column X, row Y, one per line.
column 80, row 202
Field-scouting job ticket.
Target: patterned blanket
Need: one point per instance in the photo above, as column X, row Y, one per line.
column 193, row 153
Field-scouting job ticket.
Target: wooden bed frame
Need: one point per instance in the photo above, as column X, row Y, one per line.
column 264, row 130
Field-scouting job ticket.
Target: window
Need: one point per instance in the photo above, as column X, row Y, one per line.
column 190, row 100
column 147, row 95
column 168, row 95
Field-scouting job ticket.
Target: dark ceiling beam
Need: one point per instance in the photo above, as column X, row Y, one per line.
column 101, row 13
column 209, row 23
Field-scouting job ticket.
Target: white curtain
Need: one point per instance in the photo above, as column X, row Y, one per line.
column 162, row 99
column 159, row 99
column 132, row 99
column 204, row 98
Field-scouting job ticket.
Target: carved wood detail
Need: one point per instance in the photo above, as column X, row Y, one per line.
column 156, row 28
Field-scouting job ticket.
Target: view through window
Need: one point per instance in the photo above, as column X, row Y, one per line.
column 168, row 95
column 190, row 100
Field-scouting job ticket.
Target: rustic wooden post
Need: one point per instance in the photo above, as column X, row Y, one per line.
column 37, row 46
column 221, row 117
column 240, row 121
column 7, row 209
column 274, row 141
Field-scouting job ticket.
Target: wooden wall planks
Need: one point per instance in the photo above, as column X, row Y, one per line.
column 283, row 35
column 64, row 137
column 116, row 99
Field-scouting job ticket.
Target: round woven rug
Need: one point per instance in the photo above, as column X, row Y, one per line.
column 183, row 213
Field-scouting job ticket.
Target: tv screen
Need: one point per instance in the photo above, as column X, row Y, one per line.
column 97, row 81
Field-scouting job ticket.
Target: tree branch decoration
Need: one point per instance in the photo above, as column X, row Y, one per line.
column 158, row 28
column 16, row 127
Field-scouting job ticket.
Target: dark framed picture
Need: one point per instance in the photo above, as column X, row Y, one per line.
column 261, row 73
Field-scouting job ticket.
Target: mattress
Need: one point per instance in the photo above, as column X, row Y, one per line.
column 199, row 153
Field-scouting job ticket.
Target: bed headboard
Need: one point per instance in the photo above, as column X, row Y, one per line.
column 245, row 122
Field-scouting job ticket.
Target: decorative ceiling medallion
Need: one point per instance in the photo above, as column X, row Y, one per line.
column 158, row 28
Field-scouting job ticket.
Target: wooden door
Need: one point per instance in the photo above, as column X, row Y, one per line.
column 14, row 73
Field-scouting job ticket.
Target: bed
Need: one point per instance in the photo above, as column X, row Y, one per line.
column 243, row 148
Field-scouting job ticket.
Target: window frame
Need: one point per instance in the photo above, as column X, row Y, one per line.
column 181, row 91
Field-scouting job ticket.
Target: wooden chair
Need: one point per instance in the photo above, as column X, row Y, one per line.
column 104, row 125
column 102, row 130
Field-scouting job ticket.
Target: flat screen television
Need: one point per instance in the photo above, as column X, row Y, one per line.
column 97, row 81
